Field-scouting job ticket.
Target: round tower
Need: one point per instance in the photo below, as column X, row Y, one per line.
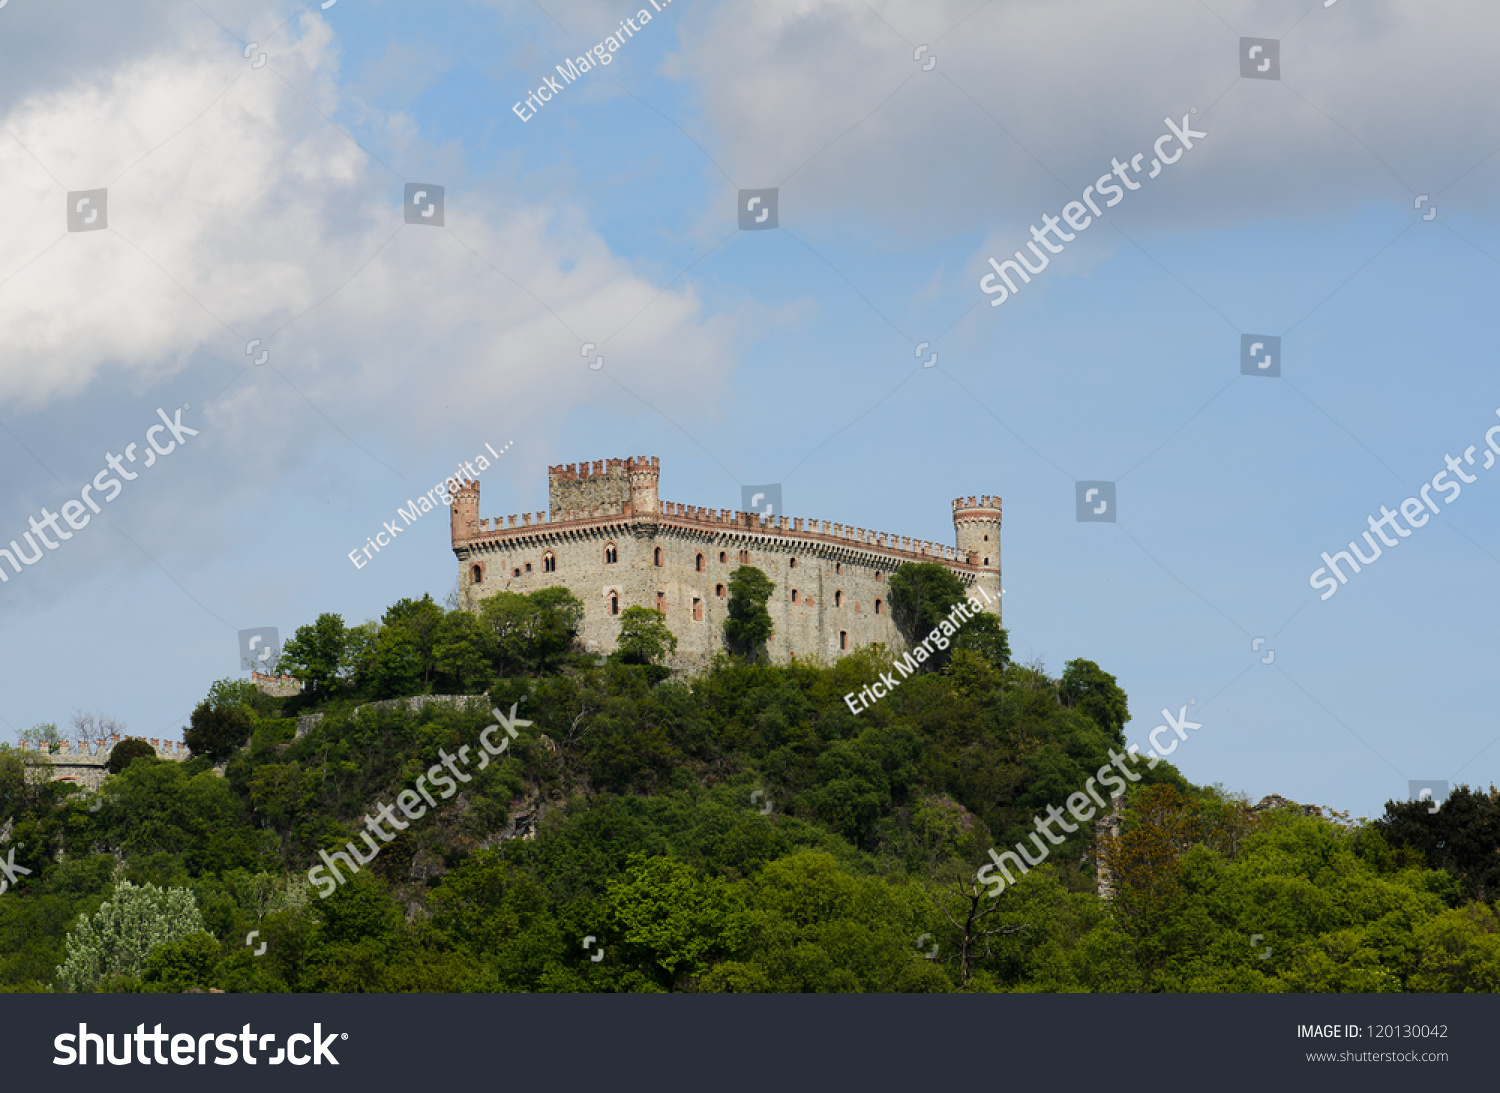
column 976, row 529
column 645, row 476
column 465, row 514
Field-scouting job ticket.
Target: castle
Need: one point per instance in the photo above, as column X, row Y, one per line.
column 613, row 544
column 87, row 767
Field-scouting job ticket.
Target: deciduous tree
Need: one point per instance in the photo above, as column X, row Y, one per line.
column 644, row 636
column 128, row 751
column 749, row 625
column 116, row 939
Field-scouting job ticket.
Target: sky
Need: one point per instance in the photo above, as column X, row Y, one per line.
column 254, row 277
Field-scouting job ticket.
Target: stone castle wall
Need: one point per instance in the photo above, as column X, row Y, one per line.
column 832, row 582
column 87, row 767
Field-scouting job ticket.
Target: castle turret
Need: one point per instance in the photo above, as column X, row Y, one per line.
column 645, row 475
column 465, row 514
column 976, row 527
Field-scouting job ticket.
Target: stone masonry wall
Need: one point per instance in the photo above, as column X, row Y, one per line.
column 88, row 768
column 603, row 490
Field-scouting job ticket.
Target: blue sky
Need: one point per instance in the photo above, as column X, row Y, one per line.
column 265, row 203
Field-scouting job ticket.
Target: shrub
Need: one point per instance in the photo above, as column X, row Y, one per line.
column 126, row 752
column 217, row 731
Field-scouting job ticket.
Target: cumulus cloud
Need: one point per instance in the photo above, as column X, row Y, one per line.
column 260, row 219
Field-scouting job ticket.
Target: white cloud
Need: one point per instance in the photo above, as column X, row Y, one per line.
column 259, row 209
column 781, row 82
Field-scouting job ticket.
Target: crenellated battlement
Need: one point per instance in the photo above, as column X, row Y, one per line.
column 805, row 529
column 799, row 528
column 165, row 749
column 572, row 472
column 87, row 766
column 984, row 501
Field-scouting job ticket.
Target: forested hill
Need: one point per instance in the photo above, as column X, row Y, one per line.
column 739, row 829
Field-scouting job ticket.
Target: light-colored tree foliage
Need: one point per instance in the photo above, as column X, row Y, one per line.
column 45, row 737
column 116, row 939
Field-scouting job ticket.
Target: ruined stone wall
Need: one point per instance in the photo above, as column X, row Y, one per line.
column 88, row 767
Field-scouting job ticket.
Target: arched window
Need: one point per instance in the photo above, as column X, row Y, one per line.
column 549, row 562
column 794, row 595
column 879, row 607
column 792, row 564
column 744, row 557
column 477, row 573
column 843, row 639
column 611, row 555
column 723, row 557
column 719, row 591
column 986, row 561
column 614, row 603
column 838, row 567
column 986, row 538
column 838, row 598
column 656, row 556
column 877, row 575
column 515, row 572
column 699, row 563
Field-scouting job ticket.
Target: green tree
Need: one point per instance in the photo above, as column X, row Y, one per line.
column 922, row 594
column 223, row 692
column 644, row 636
column 397, row 656
column 220, row 724
column 558, row 616
column 672, row 919
column 531, row 632
column 126, row 752
column 1459, row 952
column 818, row 928
column 316, row 654
column 985, row 636
column 117, row 938
column 1460, row 835
column 462, row 653
column 420, row 620
column 1094, row 693
column 749, row 624
column 394, row 665
column 181, row 813
column 176, row 966
column 21, row 784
